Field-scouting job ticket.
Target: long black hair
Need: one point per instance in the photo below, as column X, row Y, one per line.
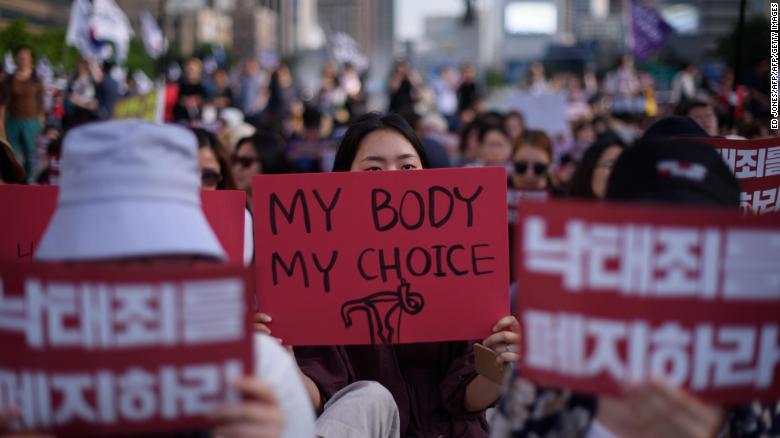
column 367, row 124
column 270, row 148
column 581, row 184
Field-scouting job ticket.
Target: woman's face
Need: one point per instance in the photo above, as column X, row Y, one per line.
column 531, row 166
column 385, row 150
column 514, row 126
column 245, row 163
column 496, row 149
column 603, row 169
column 24, row 59
column 210, row 174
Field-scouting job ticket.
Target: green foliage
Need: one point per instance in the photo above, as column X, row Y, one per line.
column 51, row 43
column 138, row 59
column 495, row 78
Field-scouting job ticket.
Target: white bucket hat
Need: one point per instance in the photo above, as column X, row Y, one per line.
column 128, row 189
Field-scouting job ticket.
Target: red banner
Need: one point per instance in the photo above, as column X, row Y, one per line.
column 756, row 164
column 224, row 209
column 96, row 351
column 30, row 209
column 27, row 211
column 350, row 258
column 612, row 293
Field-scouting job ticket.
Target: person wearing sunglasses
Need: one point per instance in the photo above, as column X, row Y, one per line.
column 215, row 173
column 531, row 160
column 263, row 152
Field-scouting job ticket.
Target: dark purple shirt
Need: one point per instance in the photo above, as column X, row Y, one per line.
column 428, row 382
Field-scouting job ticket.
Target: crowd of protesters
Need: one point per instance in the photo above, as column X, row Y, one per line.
column 237, row 124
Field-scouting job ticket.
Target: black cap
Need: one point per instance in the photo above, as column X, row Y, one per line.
column 673, row 170
column 675, row 126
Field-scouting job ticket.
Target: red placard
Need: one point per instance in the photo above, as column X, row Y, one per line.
column 89, row 350
column 30, row 209
column 610, row 293
column 382, row 257
column 224, row 209
column 27, row 211
column 756, row 164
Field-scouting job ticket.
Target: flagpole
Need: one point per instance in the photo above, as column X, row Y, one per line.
column 737, row 63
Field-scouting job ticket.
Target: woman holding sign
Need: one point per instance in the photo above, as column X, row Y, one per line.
column 434, row 385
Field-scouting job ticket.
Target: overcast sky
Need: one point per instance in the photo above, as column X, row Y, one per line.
column 410, row 15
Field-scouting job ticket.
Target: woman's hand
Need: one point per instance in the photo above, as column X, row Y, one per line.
column 654, row 408
column 8, row 415
column 257, row 416
column 505, row 340
column 261, row 321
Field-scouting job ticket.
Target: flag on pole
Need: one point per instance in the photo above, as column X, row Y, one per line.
column 94, row 28
column 80, row 34
column 346, row 50
column 8, row 63
column 151, row 35
column 649, row 31
column 109, row 23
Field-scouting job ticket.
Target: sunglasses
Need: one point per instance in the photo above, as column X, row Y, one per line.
column 244, row 162
column 210, row 178
column 522, row 166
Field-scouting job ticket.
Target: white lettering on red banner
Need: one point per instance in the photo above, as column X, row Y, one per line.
column 96, row 316
column 702, row 358
column 138, row 394
column 660, row 261
column 755, row 163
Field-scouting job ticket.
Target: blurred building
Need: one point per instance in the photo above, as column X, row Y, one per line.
column 39, row 14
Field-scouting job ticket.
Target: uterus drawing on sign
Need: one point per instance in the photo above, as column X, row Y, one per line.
column 385, row 326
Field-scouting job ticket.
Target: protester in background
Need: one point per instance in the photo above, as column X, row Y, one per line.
column 702, row 113
column 252, row 93
column 531, row 160
column 121, row 218
column 584, row 136
column 495, row 146
column 283, row 98
column 434, row 150
column 106, row 89
column 591, row 176
column 305, row 152
column 222, row 94
column 215, row 172
column 684, row 85
column 404, row 88
column 82, row 97
column 445, row 86
column 263, row 152
column 21, row 105
column 468, row 144
column 514, row 124
column 468, row 93
column 434, row 385
column 192, row 93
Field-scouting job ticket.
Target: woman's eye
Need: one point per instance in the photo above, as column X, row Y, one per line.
column 373, row 169
column 408, row 167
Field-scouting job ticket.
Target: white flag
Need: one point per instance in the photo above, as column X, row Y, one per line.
column 80, row 35
column 9, row 64
column 152, row 36
column 345, row 49
column 109, row 23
